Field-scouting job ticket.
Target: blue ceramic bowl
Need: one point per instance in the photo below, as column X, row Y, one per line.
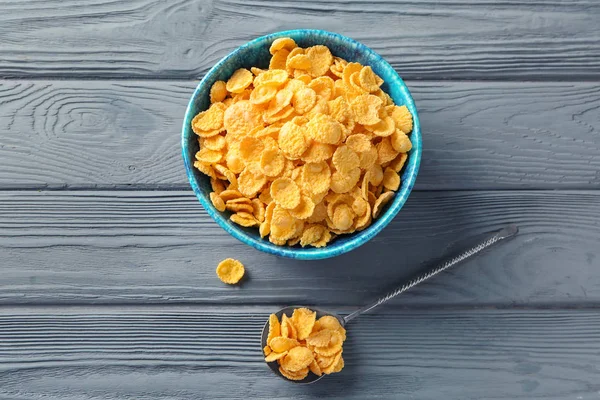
column 256, row 53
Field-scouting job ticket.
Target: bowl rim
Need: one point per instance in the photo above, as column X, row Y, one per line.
column 353, row 241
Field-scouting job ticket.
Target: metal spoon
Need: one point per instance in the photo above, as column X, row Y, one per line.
column 505, row 233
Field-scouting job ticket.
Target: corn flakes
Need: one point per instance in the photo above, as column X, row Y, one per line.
column 304, row 151
column 316, row 345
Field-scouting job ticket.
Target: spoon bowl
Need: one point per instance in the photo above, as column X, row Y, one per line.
column 274, row 366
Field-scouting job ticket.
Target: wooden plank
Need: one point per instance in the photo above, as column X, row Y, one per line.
column 99, row 134
column 161, row 247
column 208, row 353
column 546, row 39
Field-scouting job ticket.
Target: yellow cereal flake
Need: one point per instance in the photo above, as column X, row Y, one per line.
column 283, row 225
column 273, row 356
column 251, row 149
column 303, row 210
column 358, row 142
column 209, row 120
column 278, row 61
column 208, row 156
column 292, row 140
column 287, row 328
column 276, row 77
column 312, row 234
column 324, row 129
column 239, row 81
column 263, row 94
column 304, row 320
column 294, row 376
column 250, row 183
column 366, row 109
column 323, row 87
column 297, row 358
column 267, row 350
column 318, row 152
column 282, row 43
column 345, row 159
column 316, row 177
column 391, row 179
column 274, row 328
column 241, row 117
column 303, row 151
column 381, row 202
column 244, row 219
column 385, row 127
column 218, row 92
column 400, row 142
column 298, row 61
column 320, row 60
column 385, row 151
column 217, row 201
column 397, row 163
column 230, row 271
column 343, row 182
column 304, row 100
column 279, row 344
column 368, row 79
column 286, row 193
column 403, row 118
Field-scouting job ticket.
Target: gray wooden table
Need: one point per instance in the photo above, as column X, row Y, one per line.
column 107, row 283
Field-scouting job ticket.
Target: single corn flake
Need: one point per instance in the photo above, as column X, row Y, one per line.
column 279, row 344
column 403, row 118
column 273, row 356
column 241, row 118
column 278, row 61
column 366, row 109
column 250, row 182
column 303, row 320
column 218, row 92
column 391, row 179
column 297, row 358
column 287, row 328
column 381, row 202
column 400, row 142
column 312, row 235
column 303, row 210
column 358, row 142
column 368, row 79
column 209, row 120
column 239, row 81
column 316, row 177
column 274, row 328
column 263, row 94
column 286, row 193
column 282, row 43
column 320, row 60
column 304, row 100
column 324, row 129
column 292, row 140
column 294, row 376
column 345, row 159
column 230, row 271
column 217, row 201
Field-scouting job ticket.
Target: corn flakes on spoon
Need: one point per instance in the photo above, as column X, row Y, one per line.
column 307, row 344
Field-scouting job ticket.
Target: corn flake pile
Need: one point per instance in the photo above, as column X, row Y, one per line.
column 302, row 343
column 306, row 150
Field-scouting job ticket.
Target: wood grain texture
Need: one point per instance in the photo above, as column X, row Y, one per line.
column 147, row 247
column 477, row 135
column 481, row 39
column 208, row 353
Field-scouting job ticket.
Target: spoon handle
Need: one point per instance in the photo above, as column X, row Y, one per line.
column 505, row 233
